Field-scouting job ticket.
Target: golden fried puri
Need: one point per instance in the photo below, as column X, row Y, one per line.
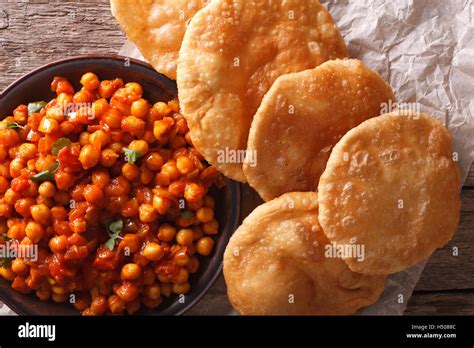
column 302, row 117
column 391, row 185
column 232, row 52
column 157, row 28
column 276, row 263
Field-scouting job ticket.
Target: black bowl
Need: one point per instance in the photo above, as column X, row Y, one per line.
column 34, row 86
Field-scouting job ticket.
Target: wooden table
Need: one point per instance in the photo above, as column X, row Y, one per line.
column 36, row 32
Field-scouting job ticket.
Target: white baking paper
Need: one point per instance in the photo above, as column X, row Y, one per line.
column 425, row 50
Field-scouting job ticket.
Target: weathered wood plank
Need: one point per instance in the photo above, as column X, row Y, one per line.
column 441, row 303
column 447, row 271
column 35, row 33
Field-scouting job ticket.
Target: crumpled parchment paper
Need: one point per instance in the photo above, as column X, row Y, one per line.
column 425, row 50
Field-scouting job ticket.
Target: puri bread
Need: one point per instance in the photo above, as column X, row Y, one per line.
column 157, row 28
column 391, row 185
column 232, row 52
column 275, row 263
column 302, row 117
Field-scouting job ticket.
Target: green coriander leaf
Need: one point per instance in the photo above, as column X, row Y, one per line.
column 6, row 238
column 6, row 262
column 131, row 155
column 15, row 125
column 53, row 168
column 115, row 228
column 47, row 175
column 59, row 144
column 35, row 107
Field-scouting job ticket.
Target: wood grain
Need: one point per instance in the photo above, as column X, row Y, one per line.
column 36, row 32
column 441, row 303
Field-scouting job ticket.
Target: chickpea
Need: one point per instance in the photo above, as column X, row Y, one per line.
column 147, row 213
column 16, row 165
column 211, row 227
column 8, row 274
column 185, row 236
column 58, row 244
column 130, row 171
column 154, row 161
column 22, row 206
column 19, row 266
column 113, row 118
column 99, row 139
column 166, row 232
column 181, row 289
column 116, row 304
column 90, row 81
column 146, row 175
column 161, row 204
column 205, row 214
column 209, row 202
column 59, row 213
column 84, row 138
column 56, row 113
column 153, row 252
column 134, row 88
column 3, row 153
column 100, row 108
column 40, row 213
column 184, row 164
column 82, row 97
column 99, row 305
column 152, row 291
column 182, row 276
column 140, row 108
column 93, row 194
column 128, row 291
column 48, row 125
column 11, row 196
column 43, row 295
column 89, row 156
column 108, row 87
column 194, row 192
column 20, row 114
column 5, row 210
column 204, row 246
column 130, row 209
column 162, row 108
column 64, row 180
column 27, row 151
column 9, row 137
column 118, row 186
column 100, row 178
column 161, row 127
column 133, row 125
column 149, row 276
column 63, row 99
column 61, row 85
column 59, row 298
column 108, row 158
column 173, row 105
column 34, row 231
column 181, row 258
column 170, row 169
column 149, row 303
column 131, row 271
column 131, row 241
column 139, row 145
column 177, row 188
column 4, row 184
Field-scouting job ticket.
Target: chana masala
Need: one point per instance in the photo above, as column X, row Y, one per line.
column 111, row 191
